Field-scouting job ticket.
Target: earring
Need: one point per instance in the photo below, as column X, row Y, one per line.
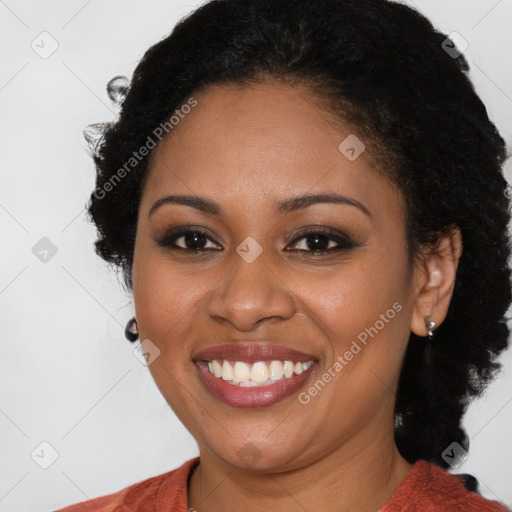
column 429, row 326
column 131, row 332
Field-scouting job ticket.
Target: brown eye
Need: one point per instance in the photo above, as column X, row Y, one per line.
column 324, row 241
column 194, row 240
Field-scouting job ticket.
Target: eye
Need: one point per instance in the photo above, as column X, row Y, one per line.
column 316, row 241
column 195, row 240
column 325, row 240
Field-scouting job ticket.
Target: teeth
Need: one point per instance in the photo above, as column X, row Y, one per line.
column 248, row 384
column 227, row 371
column 260, row 373
column 276, row 370
column 241, row 372
column 288, row 369
column 217, row 368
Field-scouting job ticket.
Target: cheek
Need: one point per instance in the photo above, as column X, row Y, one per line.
column 360, row 299
column 362, row 312
column 166, row 304
column 166, row 301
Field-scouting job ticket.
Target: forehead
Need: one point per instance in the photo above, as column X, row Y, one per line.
column 257, row 142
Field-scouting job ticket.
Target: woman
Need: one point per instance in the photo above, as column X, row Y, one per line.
column 307, row 200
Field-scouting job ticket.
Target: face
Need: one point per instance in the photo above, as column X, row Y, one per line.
column 257, row 281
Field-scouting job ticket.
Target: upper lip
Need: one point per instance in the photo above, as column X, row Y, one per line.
column 251, row 351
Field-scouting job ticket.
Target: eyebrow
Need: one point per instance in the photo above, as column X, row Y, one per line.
column 288, row 205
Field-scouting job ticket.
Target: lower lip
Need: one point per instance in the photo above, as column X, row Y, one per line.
column 262, row 396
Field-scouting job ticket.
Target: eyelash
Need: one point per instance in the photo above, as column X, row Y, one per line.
column 345, row 243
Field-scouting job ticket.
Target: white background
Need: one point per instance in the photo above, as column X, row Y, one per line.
column 68, row 375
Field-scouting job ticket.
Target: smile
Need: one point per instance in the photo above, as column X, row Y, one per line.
column 260, row 373
column 253, row 374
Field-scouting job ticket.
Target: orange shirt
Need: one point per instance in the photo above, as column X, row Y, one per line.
column 427, row 488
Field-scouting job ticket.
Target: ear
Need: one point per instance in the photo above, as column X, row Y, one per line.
column 435, row 280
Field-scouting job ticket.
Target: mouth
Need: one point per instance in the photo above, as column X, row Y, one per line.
column 252, row 374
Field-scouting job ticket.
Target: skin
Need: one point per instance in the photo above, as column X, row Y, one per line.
column 248, row 148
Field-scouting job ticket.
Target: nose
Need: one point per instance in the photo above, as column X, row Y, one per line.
column 250, row 294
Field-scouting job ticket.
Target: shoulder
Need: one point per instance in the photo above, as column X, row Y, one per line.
column 166, row 489
column 430, row 488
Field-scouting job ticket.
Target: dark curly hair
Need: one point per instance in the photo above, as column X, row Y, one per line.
column 383, row 67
